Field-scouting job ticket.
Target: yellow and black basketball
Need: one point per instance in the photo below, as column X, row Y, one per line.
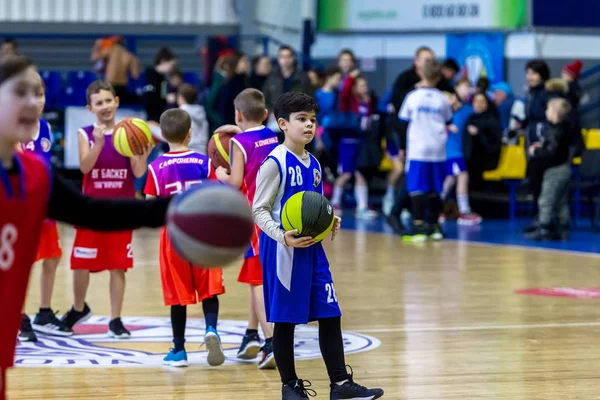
column 131, row 136
column 310, row 213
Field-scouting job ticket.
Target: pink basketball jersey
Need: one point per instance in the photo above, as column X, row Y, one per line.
column 112, row 175
column 256, row 144
column 176, row 172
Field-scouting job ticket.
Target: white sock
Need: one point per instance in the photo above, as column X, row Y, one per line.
column 336, row 199
column 362, row 197
column 390, row 191
column 463, row 203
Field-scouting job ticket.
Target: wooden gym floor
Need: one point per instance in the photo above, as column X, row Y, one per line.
column 434, row 321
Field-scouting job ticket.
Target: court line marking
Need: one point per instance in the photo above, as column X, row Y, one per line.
column 481, row 327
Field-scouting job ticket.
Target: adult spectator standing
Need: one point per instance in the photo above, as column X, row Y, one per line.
column 157, row 83
column 9, row 47
column 117, row 64
column 286, row 78
column 261, row 68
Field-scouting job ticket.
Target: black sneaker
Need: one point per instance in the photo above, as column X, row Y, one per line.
column 267, row 359
column 352, row 390
column 117, row 330
column 26, row 334
column 73, row 317
column 396, row 225
column 298, row 389
column 250, row 347
column 46, row 322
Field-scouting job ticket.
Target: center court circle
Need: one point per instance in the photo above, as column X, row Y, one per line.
column 151, row 338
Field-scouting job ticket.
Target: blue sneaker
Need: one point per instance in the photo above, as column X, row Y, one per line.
column 178, row 359
column 213, row 346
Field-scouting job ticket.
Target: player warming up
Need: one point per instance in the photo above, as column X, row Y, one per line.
column 298, row 286
column 49, row 249
column 182, row 283
column 249, row 149
column 107, row 174
column 30, row 193
column 425, row 116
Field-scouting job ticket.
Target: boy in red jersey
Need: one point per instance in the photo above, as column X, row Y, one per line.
column 107, row 174
column 49, row 249
column 30, row 193
column 184, row 284
column 249, row 149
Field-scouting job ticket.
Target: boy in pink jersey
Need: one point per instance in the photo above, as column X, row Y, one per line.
column 248, row 150
column 107, row 174
column 184, row 284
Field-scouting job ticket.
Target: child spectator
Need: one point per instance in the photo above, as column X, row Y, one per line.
column 187, row 95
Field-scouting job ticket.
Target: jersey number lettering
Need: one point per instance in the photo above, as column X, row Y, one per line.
column 8, row 238
column 129, row 251
column 296, row 175
column 177, row 187
column 30, row 146
column 331, row 297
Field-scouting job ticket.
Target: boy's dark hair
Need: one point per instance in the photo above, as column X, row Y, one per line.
column 188, row 92
column 164, row 54
column 432, row 70
column 331, row 71
column 452, row 64
column 483, row 84
column 12, row 42
column 539, row 66
column 292, row 102
column 251, row 103
column 175, row 125
column 96, row 87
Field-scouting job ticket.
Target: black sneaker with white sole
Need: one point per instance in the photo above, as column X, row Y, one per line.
column 250, row 347
column 117, row 330
column 267, row 359
column 26, row 333
column 296, row 390
column 352, row 390
column 73, row 317
column 46, row 322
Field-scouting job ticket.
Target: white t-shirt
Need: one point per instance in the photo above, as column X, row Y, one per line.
column 427, row 111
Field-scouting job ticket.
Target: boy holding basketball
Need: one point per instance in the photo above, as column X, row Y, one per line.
column 298, row 286
column 248, row 150
column 107, row 174
column 184, row 284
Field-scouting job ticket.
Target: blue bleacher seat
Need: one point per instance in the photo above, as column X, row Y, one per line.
column 192, row 78
column 76, row 85
column 54, row 85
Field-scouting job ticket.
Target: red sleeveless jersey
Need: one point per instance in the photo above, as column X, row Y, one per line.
column 23, row 200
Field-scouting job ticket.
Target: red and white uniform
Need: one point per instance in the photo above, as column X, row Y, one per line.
column 182, row 283
column 23, row 201
column 111, row 177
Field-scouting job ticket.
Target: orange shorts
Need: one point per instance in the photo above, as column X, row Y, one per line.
column 102, row 251
column 182, row 283
column 49, row 246
column 251, row 272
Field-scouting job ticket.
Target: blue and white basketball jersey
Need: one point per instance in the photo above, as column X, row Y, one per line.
column 298, row 286
column 41, row 144
column 295, row 176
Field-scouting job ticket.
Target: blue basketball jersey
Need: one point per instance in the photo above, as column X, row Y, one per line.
column 297, row 284
column 296, row 175
column 41, row 144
